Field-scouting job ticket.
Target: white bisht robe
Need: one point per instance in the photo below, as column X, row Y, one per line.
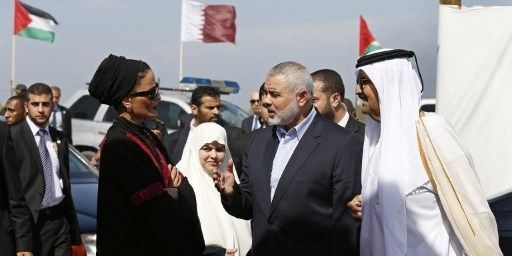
column 402, row 211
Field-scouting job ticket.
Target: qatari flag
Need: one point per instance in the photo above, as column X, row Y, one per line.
column 207, row 23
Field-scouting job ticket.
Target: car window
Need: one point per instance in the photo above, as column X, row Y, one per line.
column 170, row 113
column 110, row 114
column 85, row 108
column 232, row 114
column 77, row 168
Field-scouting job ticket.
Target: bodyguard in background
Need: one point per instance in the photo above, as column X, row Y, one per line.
column 43, row 162
column 15, row 227
column 60, row 118
column 329, row 97
column 253, row 122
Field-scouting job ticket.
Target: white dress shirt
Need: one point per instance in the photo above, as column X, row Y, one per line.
column 58, row 195
column 288, row 141
column 344, row 120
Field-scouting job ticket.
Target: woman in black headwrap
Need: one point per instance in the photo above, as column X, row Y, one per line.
column 145, row 207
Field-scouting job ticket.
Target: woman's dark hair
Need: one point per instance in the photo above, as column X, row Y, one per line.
column 143, row 70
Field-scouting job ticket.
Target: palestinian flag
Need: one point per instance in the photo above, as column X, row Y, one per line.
column 33, row 23
column 367, row 42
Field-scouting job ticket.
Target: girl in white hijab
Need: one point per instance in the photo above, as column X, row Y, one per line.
column 207, row 150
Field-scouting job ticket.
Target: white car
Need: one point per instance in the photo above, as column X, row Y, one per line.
column 91, row 120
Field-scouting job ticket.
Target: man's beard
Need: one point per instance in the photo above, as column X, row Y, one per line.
column 327, row 112
column 285, row 116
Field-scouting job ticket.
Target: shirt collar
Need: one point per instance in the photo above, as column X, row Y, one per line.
column 344, row 120
column 35, row 128
column 299, row 129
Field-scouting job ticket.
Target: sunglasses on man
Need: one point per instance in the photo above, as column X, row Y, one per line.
column 150, row 94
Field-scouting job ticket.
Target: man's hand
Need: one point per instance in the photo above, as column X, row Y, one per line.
column 225, row 181
column 354, row 208
column 230, row 252
column 24, row 254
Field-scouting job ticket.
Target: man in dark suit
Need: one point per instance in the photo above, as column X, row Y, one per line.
column 238, row 145
column 253, row 122
column 298, row 174
column 43, row 162
column 328, row 98
column 60, row 119
column 15, row 227
column 205, row 105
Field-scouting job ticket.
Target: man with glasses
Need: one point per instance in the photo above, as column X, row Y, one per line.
column 253, row 122
column 420, row 192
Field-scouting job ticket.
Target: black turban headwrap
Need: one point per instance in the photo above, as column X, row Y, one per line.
column 114, row 79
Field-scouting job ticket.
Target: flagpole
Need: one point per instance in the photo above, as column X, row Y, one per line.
column 181, row 61
column 13, row 58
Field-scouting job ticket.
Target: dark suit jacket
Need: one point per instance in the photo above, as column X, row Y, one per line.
column 175, row 142
column 247, row 124
column 355, row 126
column 307, row 215
column 237, row 150
column 14, row 213
column 32, row 177
column 66, row 123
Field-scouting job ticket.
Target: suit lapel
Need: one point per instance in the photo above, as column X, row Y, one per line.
column 58, row 141
column 306, row 146
column 30, row 141
column 266, row 166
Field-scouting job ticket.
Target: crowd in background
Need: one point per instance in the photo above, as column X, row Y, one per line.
column 302, row 176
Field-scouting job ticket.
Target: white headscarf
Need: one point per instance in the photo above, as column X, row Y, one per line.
column 219, row 228
column 391, row 165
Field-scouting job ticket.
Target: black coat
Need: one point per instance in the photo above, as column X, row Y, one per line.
column 307, row 215
column 136, row 216
column 66, row 123
column 355, row 126
column 14, row 213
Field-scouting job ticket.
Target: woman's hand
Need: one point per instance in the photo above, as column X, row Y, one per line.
column 230, row 252
column 354, row 208
column 176, row 176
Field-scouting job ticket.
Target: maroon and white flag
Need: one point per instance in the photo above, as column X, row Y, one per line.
column 207, row 23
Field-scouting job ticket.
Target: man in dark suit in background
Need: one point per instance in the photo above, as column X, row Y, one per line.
column 15, row 109
column 238, row 145
column 60, row 119
column 205, row 105
column 43, row 162
column 15, row 227
column 253, row 122
column 328, row 97
column 298, row 174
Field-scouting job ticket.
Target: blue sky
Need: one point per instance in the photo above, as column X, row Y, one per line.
column 318, row 34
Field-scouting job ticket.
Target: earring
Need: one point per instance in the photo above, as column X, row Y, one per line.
column 129, row 109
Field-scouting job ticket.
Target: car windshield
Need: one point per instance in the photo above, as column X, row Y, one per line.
column 232, row 114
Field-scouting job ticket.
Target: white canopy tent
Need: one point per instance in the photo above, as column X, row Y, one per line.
column 474, row 87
